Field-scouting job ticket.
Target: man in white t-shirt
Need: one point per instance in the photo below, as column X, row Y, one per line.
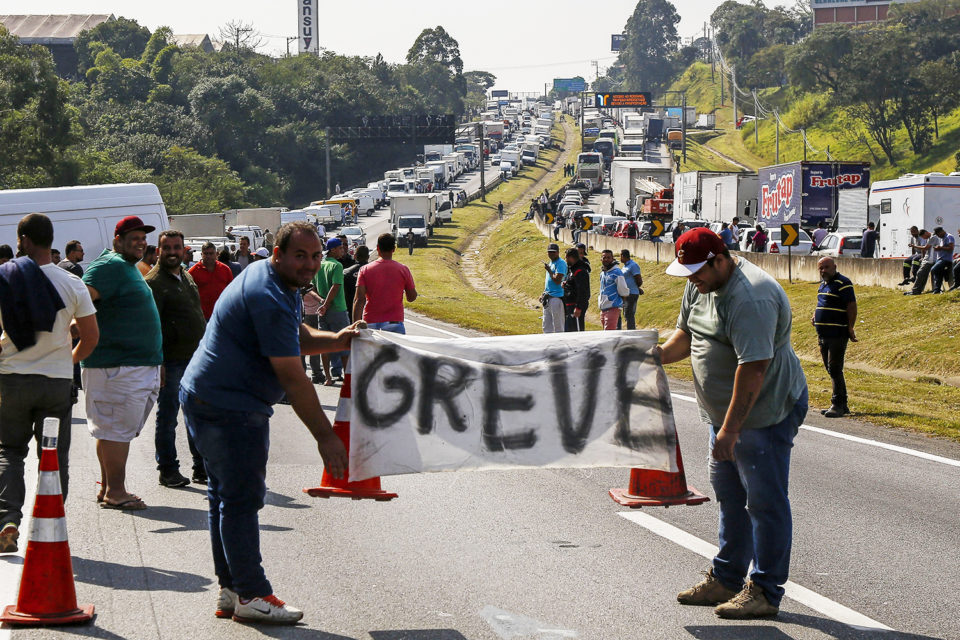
column 35, row 380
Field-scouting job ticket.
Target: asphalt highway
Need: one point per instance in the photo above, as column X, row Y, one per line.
column 541, row 554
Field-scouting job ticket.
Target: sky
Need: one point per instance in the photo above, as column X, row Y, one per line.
column 525, row 44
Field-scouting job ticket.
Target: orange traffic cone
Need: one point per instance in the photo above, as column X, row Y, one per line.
column 653, row 488
column 331, row 487
column 47, row 594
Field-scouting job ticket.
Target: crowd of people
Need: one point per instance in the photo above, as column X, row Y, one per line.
column 566, row 289
column 223, row 339
column 935, row 257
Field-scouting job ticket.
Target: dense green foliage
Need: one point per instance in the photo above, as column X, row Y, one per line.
column 212, row 130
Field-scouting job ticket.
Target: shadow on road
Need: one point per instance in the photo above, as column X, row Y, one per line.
column 830, row 628
column 90, row 630
column 284, row 502
column 418, row 634
column 137, row 578
column 186, row 519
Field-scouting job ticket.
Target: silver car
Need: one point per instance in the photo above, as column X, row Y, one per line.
column 355, row 236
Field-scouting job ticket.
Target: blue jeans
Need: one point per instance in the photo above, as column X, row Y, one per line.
column 394, row 327
column 168, row 406
column 234, row 446
column 755, row 520
column 939, row 270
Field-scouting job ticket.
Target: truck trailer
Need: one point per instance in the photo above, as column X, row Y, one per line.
column 809, row 192
column 725, row 197
column 926, row 201
column 623, row 175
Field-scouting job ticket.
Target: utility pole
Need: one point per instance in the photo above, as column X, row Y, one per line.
column 483, row 182
column 756, row 120
column 721, row 89
column 683, row 125
column 582, row 109
column 290, row 39
column 777, row 122
column 803, row 134
column 733, row 92
column 326, row 149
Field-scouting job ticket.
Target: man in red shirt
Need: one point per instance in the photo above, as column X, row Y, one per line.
column 381, row 286
column 211, row 276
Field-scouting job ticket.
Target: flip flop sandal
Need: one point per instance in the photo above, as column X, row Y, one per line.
column 133, row 504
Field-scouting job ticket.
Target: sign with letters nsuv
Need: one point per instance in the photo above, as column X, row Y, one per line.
column 308, row 26
column 594, row 399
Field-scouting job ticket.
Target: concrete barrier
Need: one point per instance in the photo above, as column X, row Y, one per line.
column 861, row 271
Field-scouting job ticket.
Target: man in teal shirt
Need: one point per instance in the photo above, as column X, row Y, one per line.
column 332, row 314
column 121, row 377
column 554, row 320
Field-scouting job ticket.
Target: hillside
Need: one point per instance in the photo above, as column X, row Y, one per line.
column 826, row 127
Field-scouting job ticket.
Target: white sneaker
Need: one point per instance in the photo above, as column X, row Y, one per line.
column 268, row 610
column 226, row 603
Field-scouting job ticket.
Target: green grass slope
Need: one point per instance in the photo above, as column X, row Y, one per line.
column 826, row 127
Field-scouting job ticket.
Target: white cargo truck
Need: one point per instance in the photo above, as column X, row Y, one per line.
column 434, row 152
column 924, row 200
column 724, row 197
column 201, row 225
column 623, row 174
column 88, row 213
column 441, row 171
column 688, row 193
column 453, row 165
column 423, row 204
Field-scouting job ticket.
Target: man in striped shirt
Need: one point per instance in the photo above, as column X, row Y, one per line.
column 835, row 320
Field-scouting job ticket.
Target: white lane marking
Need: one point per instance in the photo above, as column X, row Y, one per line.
column 833, row 434
column 432, row 328
column 793, row 591
column 873, row 443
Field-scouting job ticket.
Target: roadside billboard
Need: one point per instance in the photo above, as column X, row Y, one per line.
column 307, row 26
column 571, row 85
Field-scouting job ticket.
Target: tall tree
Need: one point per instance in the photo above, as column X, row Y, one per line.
column 650, row 44
column 126, row 37
column 35, row 120
column 438, row 46
column 871, row 77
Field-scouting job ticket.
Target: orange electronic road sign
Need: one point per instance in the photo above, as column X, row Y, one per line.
column 611, row 100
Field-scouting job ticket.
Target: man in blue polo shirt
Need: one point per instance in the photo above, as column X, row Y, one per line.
column 248, row 359
column 835, row 321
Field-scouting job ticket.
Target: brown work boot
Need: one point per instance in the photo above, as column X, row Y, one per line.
column 749, row 603
column 706, row 593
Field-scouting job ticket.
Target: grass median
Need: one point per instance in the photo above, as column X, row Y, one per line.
column 443, row 292
column 896, row 336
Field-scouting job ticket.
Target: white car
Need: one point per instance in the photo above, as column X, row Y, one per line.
column 840, row 244
column 802, row 249
column 356, row 237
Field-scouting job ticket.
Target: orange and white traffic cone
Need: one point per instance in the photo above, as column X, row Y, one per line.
column 47, row 592
column 331, row 487
column 654, row 488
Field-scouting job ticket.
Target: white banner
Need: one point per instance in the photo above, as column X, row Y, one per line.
column 308, row 25
column 591, row 399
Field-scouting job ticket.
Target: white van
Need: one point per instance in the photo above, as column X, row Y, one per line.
column 88, row 213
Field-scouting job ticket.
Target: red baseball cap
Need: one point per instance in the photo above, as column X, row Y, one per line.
column 131, row 223
column 693, row 249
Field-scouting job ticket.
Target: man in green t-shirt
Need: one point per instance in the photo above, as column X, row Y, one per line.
column 332, row 314
column 121, row 377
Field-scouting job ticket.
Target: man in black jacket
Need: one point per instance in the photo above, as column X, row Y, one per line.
column 576, row 290
column 182, row 325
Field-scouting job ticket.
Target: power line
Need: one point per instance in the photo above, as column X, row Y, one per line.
column 727, row 70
